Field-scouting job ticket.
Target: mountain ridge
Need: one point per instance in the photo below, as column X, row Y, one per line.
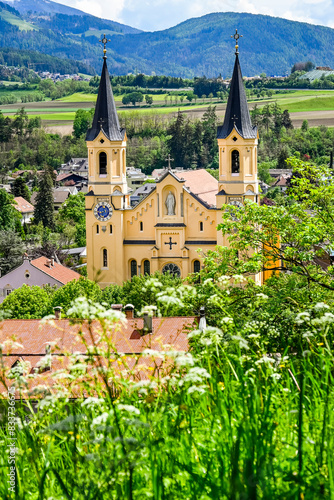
column 195, row 47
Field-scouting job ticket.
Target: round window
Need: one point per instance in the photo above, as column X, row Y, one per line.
column 27, row 275
column 172, row 269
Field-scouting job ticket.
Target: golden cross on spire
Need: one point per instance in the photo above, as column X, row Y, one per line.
column 104, row 40
column 236, row 37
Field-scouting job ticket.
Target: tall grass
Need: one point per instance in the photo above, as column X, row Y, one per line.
column 225, row 421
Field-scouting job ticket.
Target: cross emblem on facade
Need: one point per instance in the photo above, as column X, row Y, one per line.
column 236, row 37
column 170, row 243
column 101, row 122
column 104, row 40
column 169, row 159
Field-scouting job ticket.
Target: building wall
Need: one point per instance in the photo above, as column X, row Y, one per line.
column 24, row 274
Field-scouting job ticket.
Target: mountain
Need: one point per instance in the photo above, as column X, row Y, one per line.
column 195, row 47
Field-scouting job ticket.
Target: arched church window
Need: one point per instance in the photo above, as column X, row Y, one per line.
column 147, row 267
column 105, row 257
column 172, row 269
column 141, row 226
column 201, row 226
column 103, row 163
column 235, row 159
column 197, row 266
column 133, row 268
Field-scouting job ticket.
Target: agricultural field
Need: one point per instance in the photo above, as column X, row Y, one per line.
column 315, row 106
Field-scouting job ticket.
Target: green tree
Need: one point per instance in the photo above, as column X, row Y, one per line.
column 296, row 238
column 27, row 303
column 11, row 250
column 20, row 188
column 82, row 287
column 10, row 218
column 149, row 99
column 72, row 213
column 44, row 207
column 82, row 121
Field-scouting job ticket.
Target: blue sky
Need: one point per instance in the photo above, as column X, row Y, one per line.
column 161, row 14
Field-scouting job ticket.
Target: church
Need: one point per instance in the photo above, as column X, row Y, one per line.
column 166, row 229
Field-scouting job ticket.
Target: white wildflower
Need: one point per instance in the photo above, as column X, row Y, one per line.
column 129, row 408
column 91, row 402
column 200, row 389
column 302, row 317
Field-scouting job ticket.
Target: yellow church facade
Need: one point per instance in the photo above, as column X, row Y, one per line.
column 171, row 228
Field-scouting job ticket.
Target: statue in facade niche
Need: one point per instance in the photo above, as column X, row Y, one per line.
column 170, row 203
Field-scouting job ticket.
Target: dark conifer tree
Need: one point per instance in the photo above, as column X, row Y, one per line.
column 44, row 208
column 20, row 188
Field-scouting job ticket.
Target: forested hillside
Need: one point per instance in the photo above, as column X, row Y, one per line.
column 196, row 47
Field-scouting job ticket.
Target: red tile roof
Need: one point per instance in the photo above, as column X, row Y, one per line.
column 34, row 335
column 201, row 183
column 23, row 205
column 57, row 271
column 66, row 338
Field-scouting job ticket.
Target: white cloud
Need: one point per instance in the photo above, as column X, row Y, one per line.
column 162, row 14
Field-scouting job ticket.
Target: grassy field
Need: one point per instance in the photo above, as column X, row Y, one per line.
column 317, row 105
column 14, row 20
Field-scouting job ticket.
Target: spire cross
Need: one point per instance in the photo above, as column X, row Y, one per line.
column 104, row 40
column 169, row 159
column 236, row 37
column 234, row 118
column 101, row 122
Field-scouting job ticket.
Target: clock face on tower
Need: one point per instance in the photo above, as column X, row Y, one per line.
column 103, row 211
column 236, row 203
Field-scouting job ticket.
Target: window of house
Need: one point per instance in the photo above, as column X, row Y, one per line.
column 147, row 267
column 103, row 163
column 141, row 226
column 8, row 291
column 201, row 226
column 133, row 268
column 110, row 228
column 27, row 275
column 97, row 229
column 105, row 257
column 235, row 159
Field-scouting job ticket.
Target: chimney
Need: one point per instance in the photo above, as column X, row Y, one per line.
column 48, row 263
column 129, row 311
column 117, row 307
column 148, row 323
column 47, row 349
column 202, row 319
column 52, row 262
column 57, row 311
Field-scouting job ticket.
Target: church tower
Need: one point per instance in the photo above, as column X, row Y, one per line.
column 237, row 144
column 107, row 196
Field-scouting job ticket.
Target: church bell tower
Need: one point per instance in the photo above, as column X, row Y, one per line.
column 237, row 144
column 107, row 195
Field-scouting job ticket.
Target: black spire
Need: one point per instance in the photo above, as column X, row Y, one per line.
column 237, row 113
column 105, row 117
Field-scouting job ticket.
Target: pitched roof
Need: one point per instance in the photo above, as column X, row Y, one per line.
column 237, row 114
column 202, row 184
column 105, row 117
column 65, row 176
column 57, row 271
column 33, row 335
column 23, row 205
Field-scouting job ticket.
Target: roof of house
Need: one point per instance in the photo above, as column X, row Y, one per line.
column 66, row 176
column 23, row 205
column 202, row 184
column 57, row 271
column 105, row 117
column 283, row 181
column 59, row 196
column 33, row 338
column 237, row 113
column 33, row 335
